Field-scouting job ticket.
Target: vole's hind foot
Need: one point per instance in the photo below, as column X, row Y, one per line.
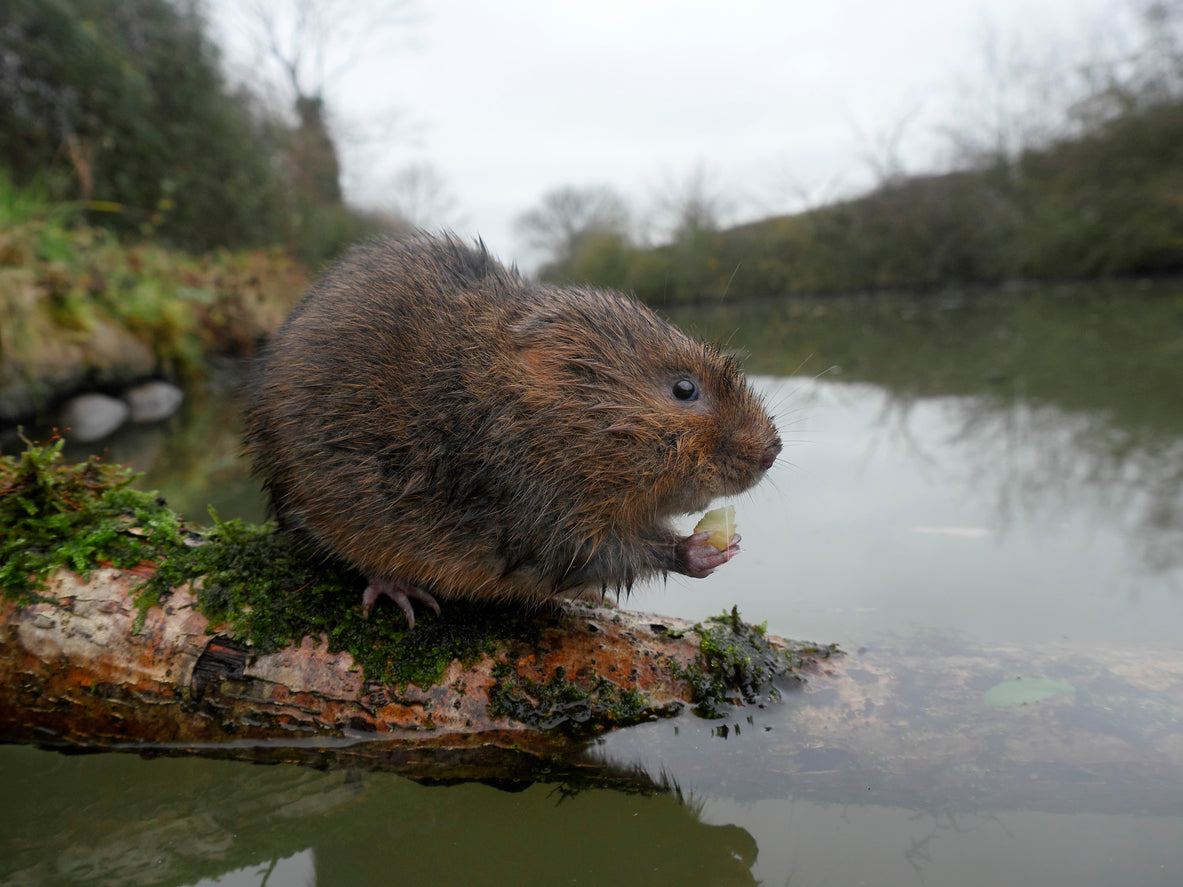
column 698, row 560
column 402, row 593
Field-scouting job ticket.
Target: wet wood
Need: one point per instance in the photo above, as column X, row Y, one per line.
column 73, row 672
column 950, row 724
column 910, row 723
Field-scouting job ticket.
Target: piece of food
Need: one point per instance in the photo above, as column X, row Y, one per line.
column 720, row 523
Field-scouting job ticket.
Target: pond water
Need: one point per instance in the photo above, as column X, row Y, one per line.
column 973, row 491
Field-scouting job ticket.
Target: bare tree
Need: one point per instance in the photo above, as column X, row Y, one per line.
column 420, row 195
column 1026, row 90
column 567, row 215
column 1162, row 21
column 787, row 191
column 881, row 150
column 314, row 42
column 309, row 44
column 692, row 204
column 1002, row 106
column 1032, row 89
column 1143, row 64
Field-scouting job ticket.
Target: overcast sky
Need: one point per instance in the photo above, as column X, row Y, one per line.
column 778, row 101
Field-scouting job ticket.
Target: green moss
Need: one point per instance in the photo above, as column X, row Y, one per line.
column 265, row 590
column 78, row 517
column 587, row 704
column 257, row 583
column 80, row 303
column 270, row 593
column 736, row 663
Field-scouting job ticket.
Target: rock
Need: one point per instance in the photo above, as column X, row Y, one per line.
column 153, row 401
column 90, row 417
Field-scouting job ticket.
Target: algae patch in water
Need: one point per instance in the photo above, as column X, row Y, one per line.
column 587, row 704
column 1022, row 691
column 736, row 664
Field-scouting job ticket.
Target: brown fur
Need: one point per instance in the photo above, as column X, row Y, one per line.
column 427, row 415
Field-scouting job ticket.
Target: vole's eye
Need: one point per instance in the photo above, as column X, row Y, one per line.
column 685, row 389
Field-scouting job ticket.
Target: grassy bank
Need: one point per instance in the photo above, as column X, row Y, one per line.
column 82, row 309
column 1105, row 205
column 1084, row 184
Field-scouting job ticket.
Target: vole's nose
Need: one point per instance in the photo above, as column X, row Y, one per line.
column 770, row 454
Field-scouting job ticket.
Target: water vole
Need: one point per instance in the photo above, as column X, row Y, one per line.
column 448, row 428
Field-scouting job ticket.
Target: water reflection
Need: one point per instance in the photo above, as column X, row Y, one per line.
column 116, row 819
column 986, row 490
column 193, row 459
column 1061, row 399
column 804, row 842
column 1040, row 462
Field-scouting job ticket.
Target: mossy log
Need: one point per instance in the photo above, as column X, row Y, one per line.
column 120, row 626
column 913, row 722
column 76, row 670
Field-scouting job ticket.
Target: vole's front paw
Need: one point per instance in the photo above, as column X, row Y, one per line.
column 401, row 593
column 698, row 560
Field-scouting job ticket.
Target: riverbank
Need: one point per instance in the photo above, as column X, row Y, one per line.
column 84, row 311
column 1098, row 201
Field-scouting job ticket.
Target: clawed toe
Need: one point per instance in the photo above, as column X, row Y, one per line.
column 402, row 593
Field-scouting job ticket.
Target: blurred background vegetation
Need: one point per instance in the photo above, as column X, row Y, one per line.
column 152, row 213
column 120, row 109
column 1082, row 181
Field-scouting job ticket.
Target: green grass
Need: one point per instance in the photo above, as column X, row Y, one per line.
column 77, row 300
